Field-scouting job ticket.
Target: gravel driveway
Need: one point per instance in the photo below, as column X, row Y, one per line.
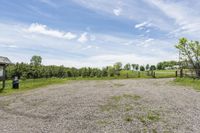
column 136, row 106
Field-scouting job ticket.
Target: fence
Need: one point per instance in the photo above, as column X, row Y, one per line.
column 190, row 73
column 150, row 74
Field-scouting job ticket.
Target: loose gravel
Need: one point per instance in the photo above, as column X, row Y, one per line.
column 135, row 106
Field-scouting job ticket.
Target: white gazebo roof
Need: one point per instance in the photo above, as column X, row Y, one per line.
column 4, row 60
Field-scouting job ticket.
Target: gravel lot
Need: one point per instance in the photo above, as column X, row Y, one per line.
column 135, row 106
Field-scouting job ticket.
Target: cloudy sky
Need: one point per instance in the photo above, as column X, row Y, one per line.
column 96, row 32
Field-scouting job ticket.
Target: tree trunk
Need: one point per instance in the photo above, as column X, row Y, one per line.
column 197, row 73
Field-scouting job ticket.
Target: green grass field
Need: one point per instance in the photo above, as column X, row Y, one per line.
column 30, row 84
column 165, row 73
column 194, row 83
column 159, row 74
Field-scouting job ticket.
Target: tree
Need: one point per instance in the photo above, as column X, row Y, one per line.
column 164, row 64
column 136, row 67
column 127, row 67
column 104, row 72
column 36, row 60
column 147, row 67
column 117, row 67
column 152, row 67
column 133, row 66
column 142, row 68
column 160, row 66
column 110, row 71
column 190, row 53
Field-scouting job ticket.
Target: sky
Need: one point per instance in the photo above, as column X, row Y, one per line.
column 96, row 33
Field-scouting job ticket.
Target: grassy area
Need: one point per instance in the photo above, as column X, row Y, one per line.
column 165, row 73
column 195, row 83
column 30, row 84
column 143, row 74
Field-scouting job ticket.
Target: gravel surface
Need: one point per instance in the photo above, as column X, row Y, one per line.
column 135, row 106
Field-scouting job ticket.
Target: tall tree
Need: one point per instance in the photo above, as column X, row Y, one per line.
column 142, row 68
column 118, row 66
column 190, row 53
column 147, row 67
column 152, row 67
column 137, row 67
column 36, row 60
column 127, row 67
column 133, row 66
column 110, row 71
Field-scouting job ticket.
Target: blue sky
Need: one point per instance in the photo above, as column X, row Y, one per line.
column 96, row 32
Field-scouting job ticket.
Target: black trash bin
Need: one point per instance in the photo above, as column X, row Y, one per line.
column 15, row 82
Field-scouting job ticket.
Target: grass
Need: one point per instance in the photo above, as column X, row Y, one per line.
column 194, row 83
column 128, row 118
column 129, row 96
column 143, row 74
column 150, row 117
column 165, row 73
column 31, row 84
column 113, row 104
column 104, row 122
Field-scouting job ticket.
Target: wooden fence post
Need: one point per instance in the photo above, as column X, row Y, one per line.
column 138, row 74
column 127, row 75
column 4, row 77
column 181, row 73
column 176, row 74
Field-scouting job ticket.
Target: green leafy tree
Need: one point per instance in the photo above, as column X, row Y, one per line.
column 190, row 53
column 142, row 68
column 111, row 71
column 147, row 67
column 117, row 67
column 137, row 67
column 164, row 64
column 36, row 60
column 127, row 67
column 152, row 67
column 133, row 66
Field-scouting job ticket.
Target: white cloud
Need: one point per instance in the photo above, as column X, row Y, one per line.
column 147, row 31
column 83, row 38
column 90, row 47
column 43, row 29
column 149, row 40
column 186, row 19
column 117, row 11
column 49, row 2
column 143, row 25
column 105, row 50
column 133, row 10
column 146, row 43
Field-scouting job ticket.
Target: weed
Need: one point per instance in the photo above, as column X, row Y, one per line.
column 119, row 85
column 129, row 96
column 150, row 117
column 128, row 118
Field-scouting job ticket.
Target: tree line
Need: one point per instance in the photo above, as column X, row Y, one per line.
column 35, row 69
